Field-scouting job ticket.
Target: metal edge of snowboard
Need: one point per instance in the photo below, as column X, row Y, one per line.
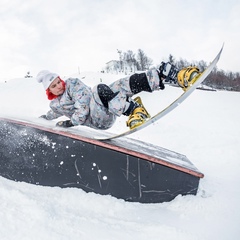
column 173, row 105
column 107, row 145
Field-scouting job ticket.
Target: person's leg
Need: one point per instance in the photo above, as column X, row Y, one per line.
column 100, row 116
column 148, row 81
column 115, row 99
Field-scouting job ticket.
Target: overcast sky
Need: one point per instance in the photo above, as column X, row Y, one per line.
column 64, row 35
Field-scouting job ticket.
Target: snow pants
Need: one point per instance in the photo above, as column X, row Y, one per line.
column 102, row 117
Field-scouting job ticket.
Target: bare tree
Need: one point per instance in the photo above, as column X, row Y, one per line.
column 129, row 57
column 171, row 59
column 143, row 61
column 120, row 59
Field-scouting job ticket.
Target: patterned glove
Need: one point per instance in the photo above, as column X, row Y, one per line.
column 65, row 124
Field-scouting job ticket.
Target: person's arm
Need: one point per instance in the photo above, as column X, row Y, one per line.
column 50, row 115
column 81, row 96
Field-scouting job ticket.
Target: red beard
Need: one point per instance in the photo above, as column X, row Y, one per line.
column 50, row 95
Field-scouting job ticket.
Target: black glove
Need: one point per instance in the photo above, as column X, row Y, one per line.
column 65, row 124
column 44, row 117
column 161, row 84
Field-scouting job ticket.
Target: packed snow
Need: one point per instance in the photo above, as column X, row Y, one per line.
column 205, row 128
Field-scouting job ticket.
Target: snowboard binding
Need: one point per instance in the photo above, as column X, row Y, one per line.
column 187, row 76
column 138, row 116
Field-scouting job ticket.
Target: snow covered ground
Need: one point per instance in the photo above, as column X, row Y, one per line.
column 205, row 128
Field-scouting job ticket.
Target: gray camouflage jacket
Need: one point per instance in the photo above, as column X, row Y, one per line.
column 73, row 103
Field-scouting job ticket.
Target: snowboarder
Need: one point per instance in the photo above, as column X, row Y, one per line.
column 98, row 107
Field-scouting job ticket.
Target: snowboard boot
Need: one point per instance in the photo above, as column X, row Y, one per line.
column 184, row 77
column 187, row 76
column 137, row 113
column 168, row 72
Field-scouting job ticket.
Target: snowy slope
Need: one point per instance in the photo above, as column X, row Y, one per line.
column 205, row 128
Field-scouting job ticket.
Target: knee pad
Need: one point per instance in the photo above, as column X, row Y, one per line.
column 105, row 94
column 138, row 83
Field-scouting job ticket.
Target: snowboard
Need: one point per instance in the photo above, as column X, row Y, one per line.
column 171, row 106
